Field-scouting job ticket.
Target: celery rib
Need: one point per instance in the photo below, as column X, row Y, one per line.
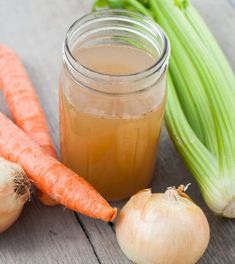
column 206, row 36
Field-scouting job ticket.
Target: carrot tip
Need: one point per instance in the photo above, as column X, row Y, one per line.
column 45, row 199
column 113, row 216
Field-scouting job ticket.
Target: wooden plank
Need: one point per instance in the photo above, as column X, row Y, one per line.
column 45, row 235
column 35, row 30
column 38, row 42
column 104, row 241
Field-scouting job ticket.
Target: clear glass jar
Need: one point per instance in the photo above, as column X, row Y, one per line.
column 110, row 120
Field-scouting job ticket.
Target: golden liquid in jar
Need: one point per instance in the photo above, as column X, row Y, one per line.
column 115, row 154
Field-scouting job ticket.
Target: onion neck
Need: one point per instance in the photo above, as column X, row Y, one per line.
column 173, row 194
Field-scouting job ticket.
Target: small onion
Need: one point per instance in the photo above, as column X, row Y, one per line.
column 14, row 192
column 162, row 228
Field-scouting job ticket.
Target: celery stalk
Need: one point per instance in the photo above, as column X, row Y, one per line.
column 206, row 36
column 198, row 159
column 219, row 94
column 193, row 99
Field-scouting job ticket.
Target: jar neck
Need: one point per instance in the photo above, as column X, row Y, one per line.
column 116, row 27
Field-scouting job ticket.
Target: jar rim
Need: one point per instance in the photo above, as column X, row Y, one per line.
column 139, row 19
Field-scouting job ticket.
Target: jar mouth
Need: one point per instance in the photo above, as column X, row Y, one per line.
column 155, row 35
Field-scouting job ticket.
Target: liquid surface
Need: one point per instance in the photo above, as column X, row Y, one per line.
column 114, row 60
column 116, row 155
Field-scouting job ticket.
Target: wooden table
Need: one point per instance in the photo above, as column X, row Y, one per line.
column 35, row 30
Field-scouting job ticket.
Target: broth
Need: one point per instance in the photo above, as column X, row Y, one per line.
column 115, row 153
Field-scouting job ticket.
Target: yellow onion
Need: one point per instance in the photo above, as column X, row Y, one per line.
column 14, row 192
column 162, row 228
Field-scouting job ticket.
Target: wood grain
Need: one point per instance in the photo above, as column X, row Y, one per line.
column 104, row 241
column 45, row 235
column 35, row 30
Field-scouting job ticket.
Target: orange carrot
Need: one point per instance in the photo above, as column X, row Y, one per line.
column 22, row 100
column 24, row 104
column 51, row 176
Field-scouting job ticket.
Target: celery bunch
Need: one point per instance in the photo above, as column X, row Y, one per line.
column 200, row 111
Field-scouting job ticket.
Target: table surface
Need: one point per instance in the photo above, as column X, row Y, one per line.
column 35, row 30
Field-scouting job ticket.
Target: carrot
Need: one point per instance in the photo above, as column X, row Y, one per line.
column 24, row 104
column 50, row 175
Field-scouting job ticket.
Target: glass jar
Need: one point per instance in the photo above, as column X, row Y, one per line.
column 112, row 100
